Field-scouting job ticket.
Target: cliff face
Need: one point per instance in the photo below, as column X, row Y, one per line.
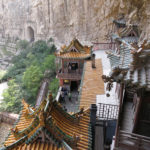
column 88, row 20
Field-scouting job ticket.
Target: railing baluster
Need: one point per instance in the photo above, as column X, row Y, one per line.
column 132, row 141
column 107, row 111
column 103, row 46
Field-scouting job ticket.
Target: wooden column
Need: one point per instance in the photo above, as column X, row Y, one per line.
column 62, row 64
column 78, row 66
column 139, row 102
column 119, row 115
column 61, row 82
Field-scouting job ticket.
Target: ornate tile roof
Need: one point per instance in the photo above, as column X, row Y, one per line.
column 121, row 60
column 131, row 66
column 120, row 22
column 92, row 84
column 128, row 33
column 59, row 128
column 131, row 39
column 125, row 32
column 74, row 51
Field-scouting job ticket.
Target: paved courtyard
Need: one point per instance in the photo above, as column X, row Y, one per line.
column 73, row 104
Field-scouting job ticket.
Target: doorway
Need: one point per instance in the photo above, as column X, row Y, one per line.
column 74, row 86
column 30, row 34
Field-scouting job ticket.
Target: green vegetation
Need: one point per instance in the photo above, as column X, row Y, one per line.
column 2, row 73
column 6, row 52
column 54, row 85
column 27, row 72
column 22, row 44
column 12, row 98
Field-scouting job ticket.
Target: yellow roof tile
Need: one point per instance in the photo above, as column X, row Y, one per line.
column 92, row 84
column 81, row 52
column 65, row 124
column 38, row 146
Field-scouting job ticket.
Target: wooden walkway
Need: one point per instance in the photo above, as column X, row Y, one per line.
column 92, row 84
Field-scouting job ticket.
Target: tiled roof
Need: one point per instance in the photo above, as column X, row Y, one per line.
column 133, row 65
column 81, row 52
column 128, row 34
column 140, row 78
column 114, row 59
column 127, row 30
column 92, row 84
column 120, row 21
column 74, row 55
column 38, row 146
column 58, row 126
column 121, row 60
column 131, row 39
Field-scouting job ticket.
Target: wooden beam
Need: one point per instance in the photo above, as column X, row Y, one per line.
column 137, row 113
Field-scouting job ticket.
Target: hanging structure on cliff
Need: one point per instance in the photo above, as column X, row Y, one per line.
column 130, row 68
column 72, row 59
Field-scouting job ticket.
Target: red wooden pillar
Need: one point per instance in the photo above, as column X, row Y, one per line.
column 62, row 64
column 138, row 106
column 61, row 82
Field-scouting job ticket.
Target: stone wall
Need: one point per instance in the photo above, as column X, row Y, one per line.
column 8, row 117
column 88, row 20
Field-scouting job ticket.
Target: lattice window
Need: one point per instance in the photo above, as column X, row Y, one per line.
column 107, row 111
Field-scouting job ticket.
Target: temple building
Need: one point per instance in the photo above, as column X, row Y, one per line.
column 79, row 74
column 131, row 72
column 72, row 59
column 50, row 127
column 124, row 32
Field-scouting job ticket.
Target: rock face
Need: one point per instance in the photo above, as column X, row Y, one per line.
column 88, row 20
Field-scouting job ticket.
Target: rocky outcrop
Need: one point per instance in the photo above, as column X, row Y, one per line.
column 88, row 20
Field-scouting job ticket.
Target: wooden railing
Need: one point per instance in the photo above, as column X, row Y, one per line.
column 130, row 141
column 103, row 46
column 70, row 74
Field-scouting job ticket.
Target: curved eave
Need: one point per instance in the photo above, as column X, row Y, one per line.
column 130, row 83
column 15, row 144
column 64, row 57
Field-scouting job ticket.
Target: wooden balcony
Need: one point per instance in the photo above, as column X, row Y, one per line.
column 130, row 141
column 70, row 74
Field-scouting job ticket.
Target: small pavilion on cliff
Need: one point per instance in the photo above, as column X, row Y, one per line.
column 72, row 60
column 124, row 32
column 80, row 74
column 131, row 71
